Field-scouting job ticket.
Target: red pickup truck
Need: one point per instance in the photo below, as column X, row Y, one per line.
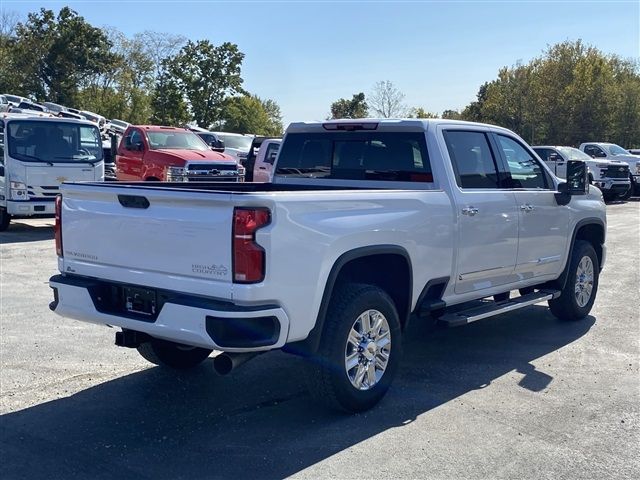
column 172, row 154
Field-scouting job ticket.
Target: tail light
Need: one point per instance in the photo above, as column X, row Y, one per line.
column 248, row 256
column 57, row 228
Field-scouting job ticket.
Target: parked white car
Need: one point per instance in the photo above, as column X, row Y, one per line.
column 235, row 144
column 95, row 118
column 611, row 151
column 15, row 100
column 610, row 176
column 4, row 104
column 116, row 126
column 366, row 223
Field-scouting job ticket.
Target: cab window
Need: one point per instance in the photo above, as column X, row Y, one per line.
column 524, row 169
column 472, row 159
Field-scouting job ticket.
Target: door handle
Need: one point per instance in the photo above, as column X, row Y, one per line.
column 527, row 208
column 471, row 211
column 262, row 168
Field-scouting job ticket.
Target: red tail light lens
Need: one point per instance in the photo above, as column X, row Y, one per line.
column 57, row 228
column 248, row 256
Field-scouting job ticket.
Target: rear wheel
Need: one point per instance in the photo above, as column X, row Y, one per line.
column 359, row 351
column 173, row 355
column 580, row 289
column 5, row 219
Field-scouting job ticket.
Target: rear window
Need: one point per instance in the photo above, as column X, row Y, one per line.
column 385, row 156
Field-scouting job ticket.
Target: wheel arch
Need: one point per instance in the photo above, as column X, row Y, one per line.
column 593, row 231
column 393, row 273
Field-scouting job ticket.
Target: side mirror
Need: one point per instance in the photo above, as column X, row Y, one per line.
column 577, row 177
column 138, row 147
column 577, row 182
column 217, row 146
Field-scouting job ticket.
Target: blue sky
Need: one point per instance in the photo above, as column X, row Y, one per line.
column 306, row 55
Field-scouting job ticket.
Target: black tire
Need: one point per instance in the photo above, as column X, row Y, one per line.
column 328, row 380
column 566, row 307
column 5, row 219
column 173, row 355
column 627, row 195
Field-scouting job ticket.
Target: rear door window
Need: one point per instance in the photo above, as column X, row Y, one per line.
column 385, row 156
column 472, row 159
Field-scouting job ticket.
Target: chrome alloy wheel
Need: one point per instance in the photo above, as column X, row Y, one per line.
column 367, row 351
column 584, row 281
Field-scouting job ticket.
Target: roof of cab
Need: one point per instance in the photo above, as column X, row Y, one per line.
column 28, row 116
column 416, row 124
column 159, row 128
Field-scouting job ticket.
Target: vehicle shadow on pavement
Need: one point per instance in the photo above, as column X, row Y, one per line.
column 19, row 232
column 259, row 422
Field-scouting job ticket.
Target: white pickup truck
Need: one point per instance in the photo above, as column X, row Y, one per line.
column 611, row 176
column 366, row 224
column 615, row 153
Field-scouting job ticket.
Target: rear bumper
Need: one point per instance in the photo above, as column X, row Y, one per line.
column 31, row 207
column 190, row 320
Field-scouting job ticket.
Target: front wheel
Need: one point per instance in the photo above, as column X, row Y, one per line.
column 173, row 355
column 5, row 219
column 580, row 289
column 359, row 351
column 627, row 195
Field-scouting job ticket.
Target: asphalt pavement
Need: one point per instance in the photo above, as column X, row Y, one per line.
column 521, row 395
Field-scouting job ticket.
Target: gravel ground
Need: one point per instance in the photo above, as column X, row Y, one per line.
column 520, row 395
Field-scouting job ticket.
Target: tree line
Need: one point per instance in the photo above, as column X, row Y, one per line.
column 572, row 93
column 151, row 77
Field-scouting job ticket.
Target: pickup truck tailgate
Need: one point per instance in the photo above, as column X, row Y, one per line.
column 158, row 237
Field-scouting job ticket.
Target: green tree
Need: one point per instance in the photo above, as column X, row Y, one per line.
column 250, row 114
column 168, row 103
column 452, row 115
column 571, row 94
column 207, row 75
column 355, row 108
column 57, row 55
column 123, row 92
column 9, row 75
column 419, row 112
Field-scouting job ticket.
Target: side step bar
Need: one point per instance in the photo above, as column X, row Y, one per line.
column 464, row 317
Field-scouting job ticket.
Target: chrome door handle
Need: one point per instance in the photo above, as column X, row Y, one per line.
column 471, row 211
column 526, row 207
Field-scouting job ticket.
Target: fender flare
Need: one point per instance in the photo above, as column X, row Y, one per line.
column 312, row 342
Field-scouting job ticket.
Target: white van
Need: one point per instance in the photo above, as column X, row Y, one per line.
column 37, row 154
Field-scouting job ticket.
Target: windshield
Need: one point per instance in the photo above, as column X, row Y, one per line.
column 571, row 153
column 236, row 141
column 13, row 98
column 616, row 150
column 173, row 140
column 53, row 142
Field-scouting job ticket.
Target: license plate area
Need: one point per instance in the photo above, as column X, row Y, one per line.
column 140, row 301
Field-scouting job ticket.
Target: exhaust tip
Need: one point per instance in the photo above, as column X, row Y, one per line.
column 223, row 364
